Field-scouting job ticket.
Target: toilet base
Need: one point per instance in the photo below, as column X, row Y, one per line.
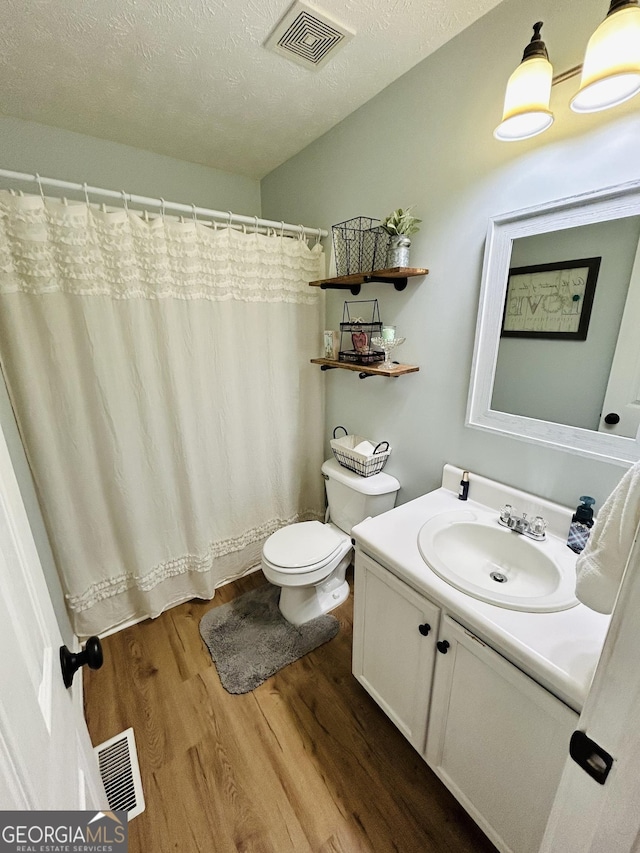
column 300, row 604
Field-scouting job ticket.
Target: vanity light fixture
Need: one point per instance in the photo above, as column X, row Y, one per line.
column 610, row 75
column 526, row 101
column 611, row 68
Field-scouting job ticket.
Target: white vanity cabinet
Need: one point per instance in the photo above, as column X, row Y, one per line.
column 496, row 738
column 394, row 636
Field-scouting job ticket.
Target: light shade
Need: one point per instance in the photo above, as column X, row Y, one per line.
column 611, row 68
column 526, row 102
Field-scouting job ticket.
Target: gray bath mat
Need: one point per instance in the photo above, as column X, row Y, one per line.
column 250, row 640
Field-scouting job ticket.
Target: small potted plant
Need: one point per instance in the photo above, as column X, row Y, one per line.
column 400, row 225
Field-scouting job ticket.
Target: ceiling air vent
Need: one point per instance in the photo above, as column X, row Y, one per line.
column 307, row 36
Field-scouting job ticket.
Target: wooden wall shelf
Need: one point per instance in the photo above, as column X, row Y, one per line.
column 364, row 369
column 397, row 276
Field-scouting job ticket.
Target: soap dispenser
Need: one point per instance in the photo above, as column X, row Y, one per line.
column 581, row 524
column 463, row 492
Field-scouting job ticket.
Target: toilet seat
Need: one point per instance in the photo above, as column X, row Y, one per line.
column 304, row 547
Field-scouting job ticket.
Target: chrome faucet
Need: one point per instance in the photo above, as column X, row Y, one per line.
column 534, row 529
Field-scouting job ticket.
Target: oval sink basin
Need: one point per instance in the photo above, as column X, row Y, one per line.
column 473, row 553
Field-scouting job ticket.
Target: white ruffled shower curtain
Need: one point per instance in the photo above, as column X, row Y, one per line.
column 160, row 376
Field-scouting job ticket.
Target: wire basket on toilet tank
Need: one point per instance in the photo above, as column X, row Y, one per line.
column 358, row 454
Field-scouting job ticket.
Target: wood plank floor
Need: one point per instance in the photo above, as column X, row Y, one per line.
column 307, row 762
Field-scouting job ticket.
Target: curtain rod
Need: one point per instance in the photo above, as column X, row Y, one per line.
column 130, row 198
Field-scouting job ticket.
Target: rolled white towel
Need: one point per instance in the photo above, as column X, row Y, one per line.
column 365, row 447
column 601, row 565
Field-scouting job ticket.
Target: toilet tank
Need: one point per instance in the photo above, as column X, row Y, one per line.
column 353, row 498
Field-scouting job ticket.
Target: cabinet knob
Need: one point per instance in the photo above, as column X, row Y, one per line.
column 612, row 418
column 424, row 629
column 443, row 646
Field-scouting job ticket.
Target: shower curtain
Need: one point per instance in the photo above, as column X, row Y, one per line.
column 159, row 373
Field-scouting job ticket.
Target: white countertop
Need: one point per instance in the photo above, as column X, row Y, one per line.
column 559, row 650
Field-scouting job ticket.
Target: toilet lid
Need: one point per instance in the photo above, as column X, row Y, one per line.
column 301, row 544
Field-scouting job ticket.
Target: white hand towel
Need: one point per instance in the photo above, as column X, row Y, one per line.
column 365, row 447
column 601, row 565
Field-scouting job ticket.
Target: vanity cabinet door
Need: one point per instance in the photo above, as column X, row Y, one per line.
column 394, row 636
column 497, row 739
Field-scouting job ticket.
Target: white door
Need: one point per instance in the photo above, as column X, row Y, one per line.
column 394, row 635
column 497, row 739
column 46, row 758
column 587, row 816
column 622, row 397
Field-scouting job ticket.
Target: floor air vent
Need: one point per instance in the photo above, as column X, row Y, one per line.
column 308, row 36
column 118, row 764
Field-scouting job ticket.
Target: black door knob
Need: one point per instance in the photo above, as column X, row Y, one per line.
column 442, row 645
column 612, row 418
column 424, row 629
column 70, row 661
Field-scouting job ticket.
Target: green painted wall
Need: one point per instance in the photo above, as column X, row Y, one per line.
column 55, row 153
column 427, row 140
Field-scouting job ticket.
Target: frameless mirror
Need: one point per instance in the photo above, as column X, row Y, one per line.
column 557, row 352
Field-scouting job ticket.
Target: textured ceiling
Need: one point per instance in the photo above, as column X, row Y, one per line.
column 191, row 79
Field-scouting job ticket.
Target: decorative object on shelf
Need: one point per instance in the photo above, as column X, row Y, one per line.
column 358, row 454
column 360, row 323
column 398, row 251
column 400, row 225
column 331, row 344
column 610, row 75
column 388, row 333
column 387, row 340
column 360, row 341
column 359, row 245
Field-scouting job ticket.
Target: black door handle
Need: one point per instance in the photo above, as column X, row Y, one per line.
column 424, row 629
column 612, row 418
column 70, row 661
column 443, row 646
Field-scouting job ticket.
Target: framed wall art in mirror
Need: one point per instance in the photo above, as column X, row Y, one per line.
column 550, row 300
column 554, row 390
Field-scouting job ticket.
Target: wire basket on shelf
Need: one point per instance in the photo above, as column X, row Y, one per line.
column 359, row 245
column 365, row 464
column 360, row 323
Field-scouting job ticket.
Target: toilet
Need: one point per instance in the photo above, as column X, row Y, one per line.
column 309, row 560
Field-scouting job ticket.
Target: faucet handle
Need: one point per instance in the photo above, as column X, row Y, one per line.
column 506, row 512
column 538, row 526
